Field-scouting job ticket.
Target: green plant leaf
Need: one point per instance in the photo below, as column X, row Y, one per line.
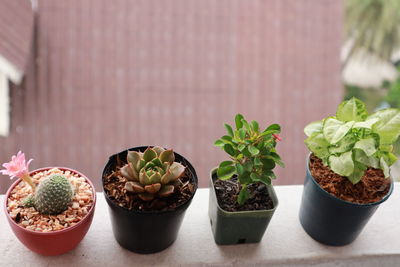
column 238, row 121
column 317, row 144
column 255, row 177
column 385, row 167
column 360, row 156
column 226, row 172
column 253, row 150
column 245, row 179
column 243, row 195
column 229, row 149
column 343, row 164
column 242, row 133
column 314, row 127
column 334, row 130
column 229, row 129
column 248, row 166
column 268, row 164
column 226, row 163
column 365, row 124
column 388, row 125
column 344, row 145
column 239, row 169
column 352, row 110
column 274, row 128
column 255, row 126
column 257, row 162
column 277, row 159
column 241, row 147
column 219, row 143
column 358, row 172
column 367, row 145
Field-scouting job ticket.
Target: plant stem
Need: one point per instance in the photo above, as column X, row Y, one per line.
column 28, row 180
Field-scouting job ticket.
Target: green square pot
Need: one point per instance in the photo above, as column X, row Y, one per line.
column 239, row 227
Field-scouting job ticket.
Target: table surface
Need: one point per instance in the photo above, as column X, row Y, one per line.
column 284, row 244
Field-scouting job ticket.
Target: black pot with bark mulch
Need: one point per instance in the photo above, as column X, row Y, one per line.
column 333, row 211
column 146, row 226
column 232, row 223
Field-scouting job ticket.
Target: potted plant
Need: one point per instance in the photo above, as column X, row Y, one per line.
column 348, row 171
column 50, row 209
column 242, row 199
column 148, row 190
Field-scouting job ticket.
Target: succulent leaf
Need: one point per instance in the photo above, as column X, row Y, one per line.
column 152, row 173
column 129, row 172
column 158, row 150
column 146, row 196
column 177, row 170
column 133, row 157
column 134, row 187
column 166, row 190
column 167, row 156
column 143, row 178
column 153, row 188
column 149, row 154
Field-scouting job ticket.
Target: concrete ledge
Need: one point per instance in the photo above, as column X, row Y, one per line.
column 284, row 244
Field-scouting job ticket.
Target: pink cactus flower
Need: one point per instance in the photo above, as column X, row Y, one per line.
column 277, row 137
column 17, row 167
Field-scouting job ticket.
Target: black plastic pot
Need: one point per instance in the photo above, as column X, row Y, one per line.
column 146, row 231
column 330, row 220
column 238, row 227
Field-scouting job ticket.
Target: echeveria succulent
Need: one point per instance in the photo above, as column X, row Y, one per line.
column 152, row 173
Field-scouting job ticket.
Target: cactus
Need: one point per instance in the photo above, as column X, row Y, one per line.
column 52, row 196
column 152, row 173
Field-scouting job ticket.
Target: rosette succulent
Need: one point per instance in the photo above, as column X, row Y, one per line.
column 152, row 173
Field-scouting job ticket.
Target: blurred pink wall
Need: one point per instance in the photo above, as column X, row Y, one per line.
column 109, row 75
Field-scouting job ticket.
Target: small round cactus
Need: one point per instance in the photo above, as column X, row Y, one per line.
column 52, row 196
column 152, row 173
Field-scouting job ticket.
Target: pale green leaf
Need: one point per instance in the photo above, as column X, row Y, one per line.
column 365, row 124
column 360, row 156
column 343, row 164
column 314, row 127
column 351, row 110
column 318, row 145
column 385, row 167
column 334, row 130
column 388, row 125
column 367, row 145
column 358, row 172
column 344, row 145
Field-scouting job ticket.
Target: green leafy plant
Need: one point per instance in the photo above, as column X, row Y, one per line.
column 352, row 141
column 252, row 153
column 152, row 173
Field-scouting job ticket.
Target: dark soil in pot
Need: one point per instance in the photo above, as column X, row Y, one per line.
column 227, row 192
column 372, row 187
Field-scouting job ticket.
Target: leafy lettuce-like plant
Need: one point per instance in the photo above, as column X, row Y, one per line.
column 252, row 152
column 352, row 141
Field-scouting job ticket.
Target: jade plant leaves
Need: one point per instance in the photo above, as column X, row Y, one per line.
column 252, row 154
column 352, row 141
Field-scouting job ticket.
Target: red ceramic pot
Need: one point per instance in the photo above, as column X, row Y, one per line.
column 57, row 242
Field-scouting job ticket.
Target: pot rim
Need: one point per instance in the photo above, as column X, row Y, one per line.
column 66, row 230
column 153, row 212
column 345, row 201
column 213, row 170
